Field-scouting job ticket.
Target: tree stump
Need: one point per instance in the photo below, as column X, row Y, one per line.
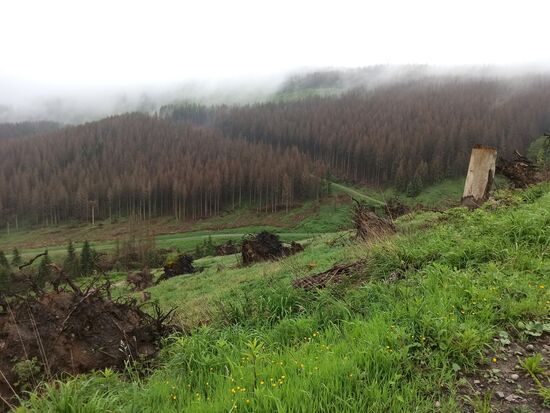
column 481, row 175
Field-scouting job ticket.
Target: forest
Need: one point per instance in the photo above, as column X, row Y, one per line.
column 15, row 130
column 138, row 165
column 191, row 161
column 414, row 129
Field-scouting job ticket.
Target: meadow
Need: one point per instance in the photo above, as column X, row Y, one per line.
column 418, row 315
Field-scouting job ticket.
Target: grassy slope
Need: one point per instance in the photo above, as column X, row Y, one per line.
column 430, row 302
column 445, row 193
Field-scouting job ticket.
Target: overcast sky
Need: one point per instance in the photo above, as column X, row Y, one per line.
column 54, row 46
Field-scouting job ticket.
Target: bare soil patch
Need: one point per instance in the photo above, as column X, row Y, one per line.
column 504, row 384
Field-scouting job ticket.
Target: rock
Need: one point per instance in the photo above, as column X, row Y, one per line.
column 500, row 394
column 530, row 347
column 437, row 404
column 513, row 398
column 514, row 376
column 476, row 382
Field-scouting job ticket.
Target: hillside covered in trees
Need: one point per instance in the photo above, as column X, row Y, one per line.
column 389, row 135
column 16, row 130
column 142, row 166
column 192, row 161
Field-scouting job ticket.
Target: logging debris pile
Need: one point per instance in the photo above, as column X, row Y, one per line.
column 521, row 171
column 74, row 331
column 367, row 224
column 336, row 275
column 266, row 246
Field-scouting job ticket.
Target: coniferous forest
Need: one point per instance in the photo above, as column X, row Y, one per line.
column 190, row 161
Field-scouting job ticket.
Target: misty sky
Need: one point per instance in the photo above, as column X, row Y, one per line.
column 55, row 46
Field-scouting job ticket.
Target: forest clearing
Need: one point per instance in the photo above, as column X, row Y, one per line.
column 449, row 294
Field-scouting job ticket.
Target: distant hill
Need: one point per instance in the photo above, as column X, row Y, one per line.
column 420, row 127
column 193, row 160
column 142, row 166
column 16, row 130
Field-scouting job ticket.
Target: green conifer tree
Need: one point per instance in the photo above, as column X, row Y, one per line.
column 86, row 259
column 44, row 269
column 3, row 260
column 16, row 258
column 414, row 187
column 70, row 265
column 209, row 246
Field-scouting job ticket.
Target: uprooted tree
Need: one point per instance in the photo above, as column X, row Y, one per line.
column 181, row 264
column 521, row 171
column 71, row 329
column 367, row 224
column 266, row 246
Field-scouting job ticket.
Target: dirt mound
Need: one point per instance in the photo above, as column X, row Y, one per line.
column 74, row 332
column 335, row 275
column 140, row 280
column 182, row 264
column 368, row 224
column 266, row 246
column 521, row 171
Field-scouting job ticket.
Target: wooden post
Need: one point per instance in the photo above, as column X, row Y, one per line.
column 93, row 205
column 481, row 175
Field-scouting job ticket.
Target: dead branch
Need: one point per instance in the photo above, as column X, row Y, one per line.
column 63, row 277
column 32, row 260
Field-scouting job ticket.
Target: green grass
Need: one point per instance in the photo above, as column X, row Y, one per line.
column 310, row 219
column 444, row 193
column 424, row 306
column 447, row 192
